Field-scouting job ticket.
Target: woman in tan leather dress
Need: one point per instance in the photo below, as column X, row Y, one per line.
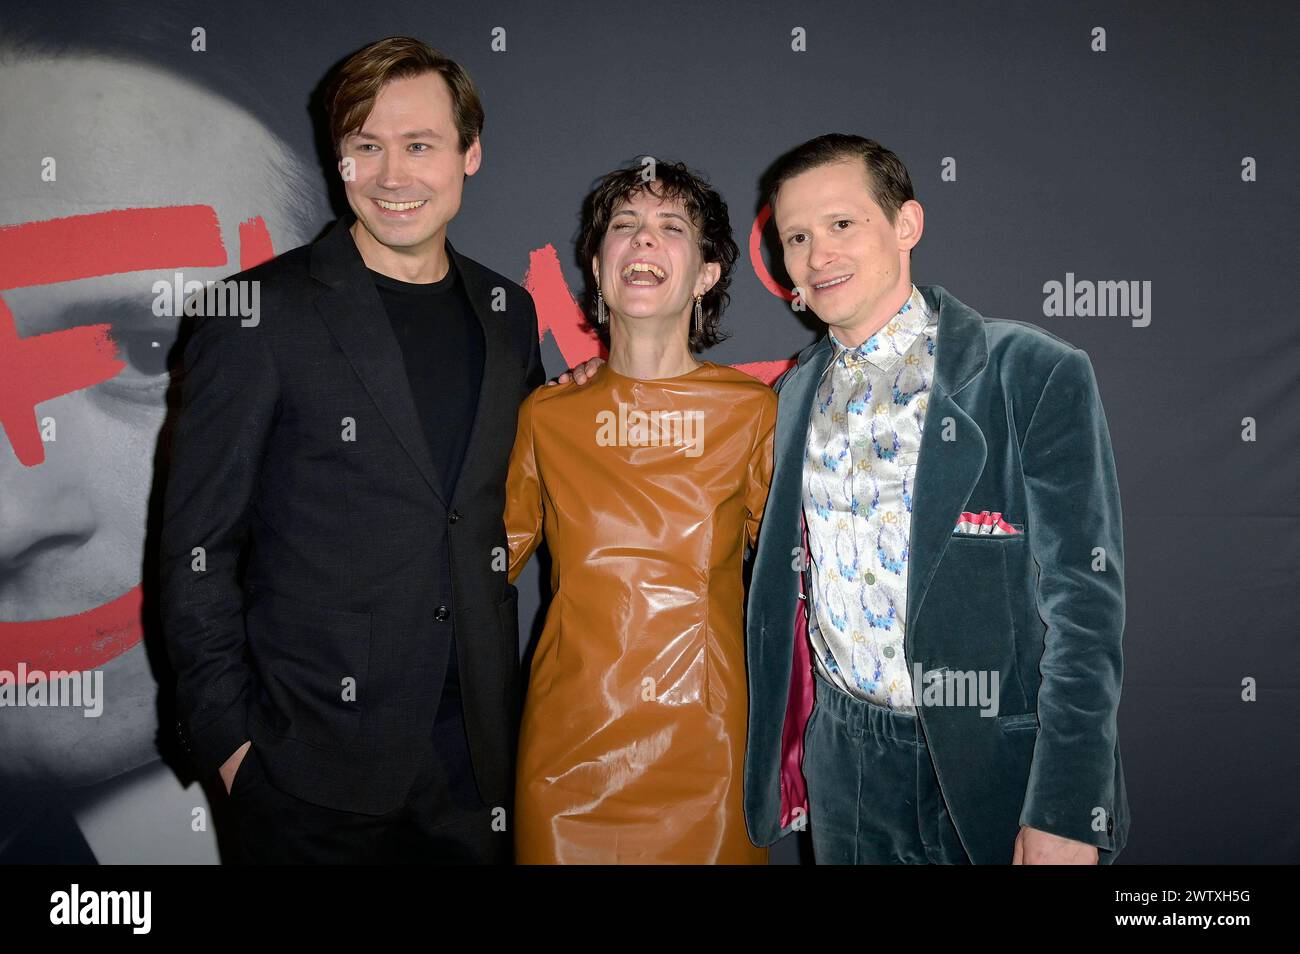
column 647, row 483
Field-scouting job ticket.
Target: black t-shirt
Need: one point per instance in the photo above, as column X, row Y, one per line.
column 442, row 347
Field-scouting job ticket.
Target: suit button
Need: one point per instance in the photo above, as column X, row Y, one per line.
column 453, row 516
column 441, row 614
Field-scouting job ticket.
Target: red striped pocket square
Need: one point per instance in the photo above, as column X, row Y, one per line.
column 983, row 524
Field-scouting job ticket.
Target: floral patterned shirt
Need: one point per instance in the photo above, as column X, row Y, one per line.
column 858, row 479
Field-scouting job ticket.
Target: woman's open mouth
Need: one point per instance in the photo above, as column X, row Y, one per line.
column 645, row 274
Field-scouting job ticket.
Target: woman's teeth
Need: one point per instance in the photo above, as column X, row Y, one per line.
column 657, row 274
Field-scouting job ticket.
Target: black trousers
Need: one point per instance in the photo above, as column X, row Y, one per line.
column 442, row 822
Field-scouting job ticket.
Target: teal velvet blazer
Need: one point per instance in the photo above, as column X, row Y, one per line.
column 1014, row 424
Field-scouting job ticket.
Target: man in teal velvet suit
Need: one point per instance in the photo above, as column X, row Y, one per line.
column 937, row 603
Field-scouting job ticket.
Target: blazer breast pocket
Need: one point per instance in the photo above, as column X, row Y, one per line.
column 312, row 665
column 971, row 595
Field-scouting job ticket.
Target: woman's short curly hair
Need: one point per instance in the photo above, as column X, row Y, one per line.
column 669, row 180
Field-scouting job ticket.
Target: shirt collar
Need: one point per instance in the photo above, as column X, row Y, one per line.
column 892, row 341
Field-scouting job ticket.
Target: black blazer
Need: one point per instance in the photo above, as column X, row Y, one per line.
column 328, row 649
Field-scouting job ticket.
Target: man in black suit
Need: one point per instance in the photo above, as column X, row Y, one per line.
column 345, row 643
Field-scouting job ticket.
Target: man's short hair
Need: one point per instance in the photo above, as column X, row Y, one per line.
column 351, row 93
column 887, row 177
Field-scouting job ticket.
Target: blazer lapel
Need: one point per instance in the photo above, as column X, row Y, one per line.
column 794, row 412
column 783, row 522
column 946, row 470
column 353, row 312
column 781, row 518
column 496, row 349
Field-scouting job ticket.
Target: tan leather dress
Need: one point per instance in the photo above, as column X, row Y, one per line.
column 633, row 739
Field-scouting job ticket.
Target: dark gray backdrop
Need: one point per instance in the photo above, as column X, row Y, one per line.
column 1117, row 165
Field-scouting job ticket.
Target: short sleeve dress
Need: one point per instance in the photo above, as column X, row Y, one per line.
column 632, row 744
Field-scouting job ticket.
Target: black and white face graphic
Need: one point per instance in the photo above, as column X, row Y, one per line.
column 151, row 176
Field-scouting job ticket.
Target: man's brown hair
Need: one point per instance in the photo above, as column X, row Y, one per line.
column 350, row 95
column 887, row 177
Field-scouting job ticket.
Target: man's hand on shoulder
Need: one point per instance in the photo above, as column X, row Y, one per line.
column 579, row 375
column 232, row 764
column 1034, row 847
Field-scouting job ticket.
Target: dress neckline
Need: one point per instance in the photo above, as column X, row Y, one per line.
column 676, row 377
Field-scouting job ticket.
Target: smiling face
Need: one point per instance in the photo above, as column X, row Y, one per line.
column 851, row 263
column 650, row 267
column 408, row 172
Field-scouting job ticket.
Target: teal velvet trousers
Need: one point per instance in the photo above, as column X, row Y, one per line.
column 873, row 797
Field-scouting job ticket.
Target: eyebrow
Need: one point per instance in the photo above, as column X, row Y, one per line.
column 662, row 215
column 413, row 134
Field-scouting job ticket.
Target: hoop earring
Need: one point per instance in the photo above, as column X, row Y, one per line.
column 699, row 315
column 602, row 316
